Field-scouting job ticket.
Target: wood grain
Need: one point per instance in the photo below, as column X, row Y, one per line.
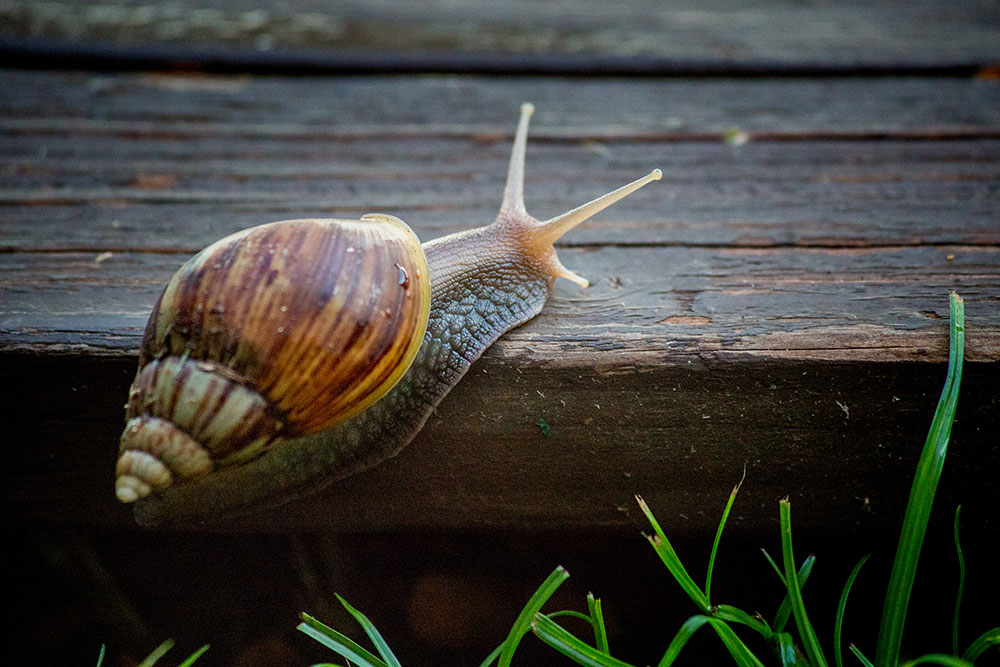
column 779, row 301
column 179, row 104
column 646, row 302
column 780, row 298
column 153, row 163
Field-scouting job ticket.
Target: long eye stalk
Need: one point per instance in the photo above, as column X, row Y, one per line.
column 544, row 234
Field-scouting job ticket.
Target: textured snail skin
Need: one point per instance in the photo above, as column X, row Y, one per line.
column 483, row 282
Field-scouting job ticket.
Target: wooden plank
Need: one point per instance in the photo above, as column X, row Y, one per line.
column 704, row 302
column 780, row 301
column 721, row 32
column 461, row 106
column 254, row 157
column 761, row 194
column 841, row 438
column 677, row 363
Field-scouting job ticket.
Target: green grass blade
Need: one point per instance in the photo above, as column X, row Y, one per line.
column 921, row 499
column 718, row 533
column 157, row 653
column 938, row 659
column 737, row 649
column 669, row 557
column 961, row 584
column 100, row 656
column 982, row 643
column 689, row 627
column 597, row 620
column 337, row 642
column 785, row 609
column 725, row 612
column 775, row 566
column 523, row 623
column 492, row 657
column 838, row 621
column 785, row 646
column 575, row 649
column 810, row 643
column 741, row 654
column 569, row 612
column 380, row 644
column 194, row 656
column 860, row 656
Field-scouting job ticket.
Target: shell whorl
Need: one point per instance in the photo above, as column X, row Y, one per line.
column 276, row 331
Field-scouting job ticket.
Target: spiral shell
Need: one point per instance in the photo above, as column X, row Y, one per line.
column 276, row 331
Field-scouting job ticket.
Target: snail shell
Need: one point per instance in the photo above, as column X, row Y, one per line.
column 276, row 331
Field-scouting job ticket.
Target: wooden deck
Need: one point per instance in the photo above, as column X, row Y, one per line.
column 779, row 300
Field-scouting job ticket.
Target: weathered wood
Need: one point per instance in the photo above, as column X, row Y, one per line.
column 841, row 438
column 94, row 163
column 677, row 363
column 762, row 194
column 244, row 106
column 781, row 301
column 646, row 305
column 720, row 32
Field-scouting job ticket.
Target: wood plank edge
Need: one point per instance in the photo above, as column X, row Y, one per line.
column 93, row 55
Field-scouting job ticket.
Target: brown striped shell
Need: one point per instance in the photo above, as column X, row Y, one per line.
column 276, row 331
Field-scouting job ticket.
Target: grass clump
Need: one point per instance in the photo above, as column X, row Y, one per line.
column 799, row 648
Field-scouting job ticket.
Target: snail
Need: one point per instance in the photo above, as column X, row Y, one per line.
column 289, row 355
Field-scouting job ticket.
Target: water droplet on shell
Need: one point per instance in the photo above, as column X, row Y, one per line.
column 402, row 279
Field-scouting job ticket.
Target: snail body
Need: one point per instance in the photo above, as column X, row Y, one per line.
column 288, row 387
